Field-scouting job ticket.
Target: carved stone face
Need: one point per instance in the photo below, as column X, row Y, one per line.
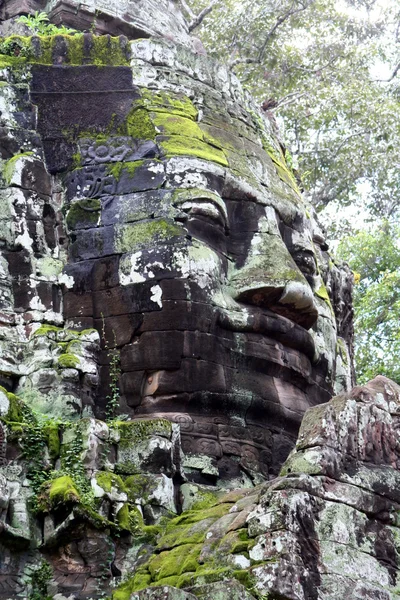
column 224, row 344
column 189, row 250
column 209, row 283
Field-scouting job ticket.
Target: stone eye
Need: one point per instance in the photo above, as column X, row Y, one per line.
column 205, row 210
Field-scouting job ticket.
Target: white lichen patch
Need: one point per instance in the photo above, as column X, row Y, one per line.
column 156, row 295
column 25, row 240
column 66, row 280
column 4, row 404
column 199, row 263
column 49, row 267
column 130, row 270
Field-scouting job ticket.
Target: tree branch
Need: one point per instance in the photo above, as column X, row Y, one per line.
column 393, row 75
column 289, row 98
column 279, row 21
column 243, row 61
column 197, row 20
column 187, row 8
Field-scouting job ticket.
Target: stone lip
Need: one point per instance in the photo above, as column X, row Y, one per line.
column 267, row 323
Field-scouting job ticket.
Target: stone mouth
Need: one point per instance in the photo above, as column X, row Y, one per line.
column 267, row 323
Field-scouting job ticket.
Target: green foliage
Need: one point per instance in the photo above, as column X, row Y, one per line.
column 115, row 373
column 327, row 71
column 33, row 443
column 39, row 23
column 374, row 256
column 39, row 581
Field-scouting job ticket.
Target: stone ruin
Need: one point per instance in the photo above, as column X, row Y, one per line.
column 169, row 312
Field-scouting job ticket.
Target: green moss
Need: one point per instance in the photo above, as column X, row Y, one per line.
column 133, row 432
column 84, row 213
column 63, row 490
column 206, row 574
column 105, row 50
column 190, row 526
column 54, row 331
column 116, row 169
column 75, row 49
column 10, row 165
column 322, row 292
column 169, row 102
column 234, row 542
column 176, row 125
column 188, row 533
column 177, row 145
column 52, row 434
column 94, row 518
column 17, row 409
column 46, row 329
column 77, row 160
column 341, row 349
column 181, row 559
column 108, row 480
column 134, row 235
column 68, row 361
column 300, row 463
column 49, row 267
column 138, row 486
column 141, row 580
column 11, row 61
column 123, row 518
column 245, row 578
column 139, row 125
column 243, row 535
column 205, row 500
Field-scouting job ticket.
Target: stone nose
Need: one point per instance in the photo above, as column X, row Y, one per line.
column 270, row 278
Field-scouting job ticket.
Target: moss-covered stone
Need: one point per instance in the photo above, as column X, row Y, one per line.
column 139, row 125
column 11, row 165
column 84, row 213
column 107, row 480
column 17, row 411
column 139, row 486
column 180, row 145
column 132, row 432
column 167, row 102
column 52, row 433
column 68, row 361
column 46, row 329
column 176, row 125
column 123, row 518
column 18, row 50
column 181, row 559
column 63, row 491
column 132, row 236
column 117, row 168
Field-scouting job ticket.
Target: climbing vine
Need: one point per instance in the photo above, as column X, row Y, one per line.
column 40, row 579
column 113, row 356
